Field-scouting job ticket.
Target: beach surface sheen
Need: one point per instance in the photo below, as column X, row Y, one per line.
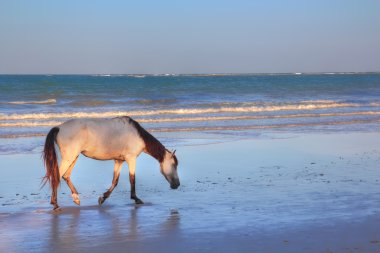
column 290, row 192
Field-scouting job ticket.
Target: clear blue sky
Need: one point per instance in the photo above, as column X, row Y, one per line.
column 194, row 36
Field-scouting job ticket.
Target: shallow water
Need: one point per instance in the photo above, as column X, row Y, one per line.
column 243, row 190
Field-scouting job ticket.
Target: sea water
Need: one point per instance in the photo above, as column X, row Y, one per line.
column 235, row 105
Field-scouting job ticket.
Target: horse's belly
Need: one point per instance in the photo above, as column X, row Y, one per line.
column 103, row 155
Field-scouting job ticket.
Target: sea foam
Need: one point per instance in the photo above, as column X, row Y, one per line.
column 179, row 111
column 46, row 101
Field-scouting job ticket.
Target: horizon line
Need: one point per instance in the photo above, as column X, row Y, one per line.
column 196, row 74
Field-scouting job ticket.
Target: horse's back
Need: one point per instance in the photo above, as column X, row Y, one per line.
column 99, row 138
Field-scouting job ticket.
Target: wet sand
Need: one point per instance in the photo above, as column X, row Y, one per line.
column 287, row 193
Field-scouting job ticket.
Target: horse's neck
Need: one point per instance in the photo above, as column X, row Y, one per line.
column 155, row 149
column 152, row 146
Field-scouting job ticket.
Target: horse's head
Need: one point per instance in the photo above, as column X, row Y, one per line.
column 169, row 169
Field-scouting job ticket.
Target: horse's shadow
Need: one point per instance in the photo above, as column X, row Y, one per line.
column 75, row 228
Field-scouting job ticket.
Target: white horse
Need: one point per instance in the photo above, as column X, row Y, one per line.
column 120, row 139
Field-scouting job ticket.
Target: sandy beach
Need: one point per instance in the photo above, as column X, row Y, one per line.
column 249, row 126
column 285, row 193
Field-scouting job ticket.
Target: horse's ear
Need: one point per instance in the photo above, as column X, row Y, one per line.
column 173, row 152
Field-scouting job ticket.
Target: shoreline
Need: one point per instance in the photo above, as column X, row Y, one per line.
column 189, row 139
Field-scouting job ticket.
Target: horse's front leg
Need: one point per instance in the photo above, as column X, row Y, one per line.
column 132, row 180
column 115, row 180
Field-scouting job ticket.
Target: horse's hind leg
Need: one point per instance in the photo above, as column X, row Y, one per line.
column 53, row 199
column 63, row 167
column 66, row 177
column 115, row 180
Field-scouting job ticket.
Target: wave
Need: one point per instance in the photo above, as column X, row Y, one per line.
column 222, row 128
column 30, row 124
column 319, row 101
column 252, row 127
column 263, row 104
column 199, row 119
column 47, row 101
column 90, row 103
column 155, row 101
column 284, row 116
column 179, row 111
column 21, row 135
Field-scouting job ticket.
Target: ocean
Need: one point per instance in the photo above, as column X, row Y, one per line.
column 229, row 105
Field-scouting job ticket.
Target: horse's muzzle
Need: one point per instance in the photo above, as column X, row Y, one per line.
column 175, row 186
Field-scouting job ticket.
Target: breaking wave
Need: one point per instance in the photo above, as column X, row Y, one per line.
column 223, row 128
column 251, row 127
column 201, row 119
column 180, row 111
column 46, row 101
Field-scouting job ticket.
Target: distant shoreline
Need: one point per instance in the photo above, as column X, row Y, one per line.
column 196, row 74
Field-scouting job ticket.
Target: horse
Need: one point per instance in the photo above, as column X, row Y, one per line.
column 121, row 139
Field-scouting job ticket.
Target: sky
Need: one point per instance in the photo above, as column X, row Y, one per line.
column 188, row 36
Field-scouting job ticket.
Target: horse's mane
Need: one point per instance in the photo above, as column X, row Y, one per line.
column 152, row 146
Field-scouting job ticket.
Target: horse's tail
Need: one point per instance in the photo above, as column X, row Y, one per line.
column 50, row 160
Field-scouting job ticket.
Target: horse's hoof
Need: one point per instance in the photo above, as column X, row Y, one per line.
column 57, row 209
column 139, row 202
column 101, row 200
column 76, row 199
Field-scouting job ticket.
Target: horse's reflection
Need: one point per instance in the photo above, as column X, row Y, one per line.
column 83, row 227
